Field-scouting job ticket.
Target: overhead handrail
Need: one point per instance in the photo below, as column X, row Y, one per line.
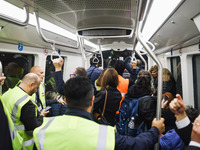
column 46, row 39
column 15, row 21
column 81, row 43
column 153, row 56
column 100, row 50
column 142, row 58
column 54, row 52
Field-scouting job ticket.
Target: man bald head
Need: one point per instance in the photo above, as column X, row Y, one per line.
column 30, row 83
column 39, row 71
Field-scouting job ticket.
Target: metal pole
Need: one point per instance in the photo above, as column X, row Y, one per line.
column 12, row 20
column 153, row 56
column 48, row 40
column 143, row 60
column 83, row 53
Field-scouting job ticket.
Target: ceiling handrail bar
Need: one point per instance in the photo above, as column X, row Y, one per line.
column 153, row 56
column 15, row 21
column 81, row 44
column 46, row 39
column 142, row 58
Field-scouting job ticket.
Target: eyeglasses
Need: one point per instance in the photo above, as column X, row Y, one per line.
column 72, row 75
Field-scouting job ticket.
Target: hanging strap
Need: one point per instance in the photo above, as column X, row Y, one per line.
column 104, row 107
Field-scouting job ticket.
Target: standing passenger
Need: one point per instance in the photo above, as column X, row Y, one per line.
column 58, row 75
column 93, row 71
column 39, row 96
column 123, row 83
column 22, row 110
column 77, row 131
column 109, row 83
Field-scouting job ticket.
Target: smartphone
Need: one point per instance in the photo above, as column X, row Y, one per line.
column 47, row 108
column 165, row 98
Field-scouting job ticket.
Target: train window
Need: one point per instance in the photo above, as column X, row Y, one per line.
column 15, row 66
column 196, row 80
column 176, row 72
column 49, row 80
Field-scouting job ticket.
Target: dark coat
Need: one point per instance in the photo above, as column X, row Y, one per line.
column 93, row 73
column 137, row 91
column 5, row 139
column 112, row 104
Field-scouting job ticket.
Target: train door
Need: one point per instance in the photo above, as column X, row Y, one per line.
column 196, row 81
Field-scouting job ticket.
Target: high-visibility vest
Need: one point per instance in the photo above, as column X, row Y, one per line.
column 73, row 133
column 41, row 95
column 16, row 139
column 14, row 99
column 123, row 88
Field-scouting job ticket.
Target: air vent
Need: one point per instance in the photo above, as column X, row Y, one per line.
column 105, row 32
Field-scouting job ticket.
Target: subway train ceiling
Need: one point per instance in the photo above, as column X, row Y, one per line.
column 93, row 18
column 88, row 17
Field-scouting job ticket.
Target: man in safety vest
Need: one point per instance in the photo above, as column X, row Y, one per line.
column 77, row 131
column 22, row 110
column 39, row 96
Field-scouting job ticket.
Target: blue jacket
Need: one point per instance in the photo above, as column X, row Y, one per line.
column 133, row 72
column 58, row 77
column 93, row 73
column 144, row 141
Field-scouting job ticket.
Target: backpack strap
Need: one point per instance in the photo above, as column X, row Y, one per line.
column 92, row 72
column 104, row 107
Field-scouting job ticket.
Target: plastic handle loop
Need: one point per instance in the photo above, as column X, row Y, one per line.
column 54, row 52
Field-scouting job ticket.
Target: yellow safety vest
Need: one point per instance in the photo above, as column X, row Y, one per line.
column 17, row 140
column 14, row 99
column 73, row 133
column 41, row 95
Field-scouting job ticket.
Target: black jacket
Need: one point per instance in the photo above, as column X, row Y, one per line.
column 137, row 91
column 112, row 104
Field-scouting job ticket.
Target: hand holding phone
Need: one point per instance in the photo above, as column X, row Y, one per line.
column 166, row 97
column 47, row 108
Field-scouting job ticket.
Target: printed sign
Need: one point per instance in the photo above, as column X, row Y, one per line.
column 20, row 46
column 45, row 52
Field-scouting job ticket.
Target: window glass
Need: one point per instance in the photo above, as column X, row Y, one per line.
column 196, row 80
column 49, row 80
column 176, row 72
column 15, row 66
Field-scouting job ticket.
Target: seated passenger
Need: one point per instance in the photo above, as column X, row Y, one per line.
column 109, row 83
column 22, row 110
column 58, row 76
column 76, row 131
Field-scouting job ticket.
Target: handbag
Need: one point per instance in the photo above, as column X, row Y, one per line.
column 100, row 117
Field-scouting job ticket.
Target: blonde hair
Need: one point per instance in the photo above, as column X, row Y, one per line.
column 166, row 74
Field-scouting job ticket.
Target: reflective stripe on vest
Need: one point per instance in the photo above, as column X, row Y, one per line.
column 29, row 142
column 102, row 139
column 15, row 108
column 88, row 134
column 41, row 133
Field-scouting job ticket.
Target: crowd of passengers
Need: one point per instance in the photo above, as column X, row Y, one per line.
column 73, row 121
